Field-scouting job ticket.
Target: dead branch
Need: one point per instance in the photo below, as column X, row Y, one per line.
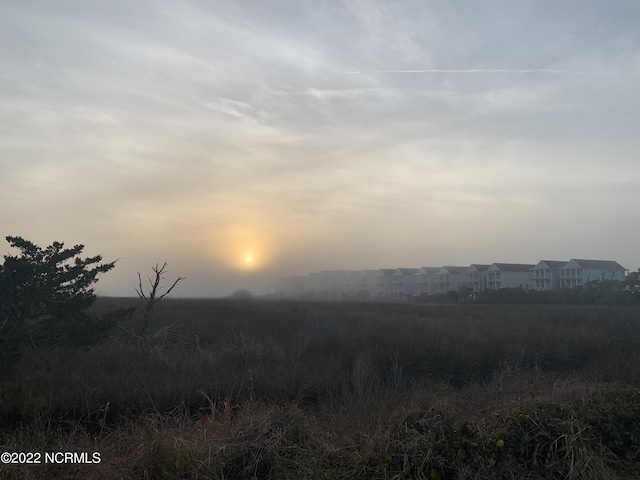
column 148, row 302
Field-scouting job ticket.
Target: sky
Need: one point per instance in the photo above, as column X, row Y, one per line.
column 241, row 141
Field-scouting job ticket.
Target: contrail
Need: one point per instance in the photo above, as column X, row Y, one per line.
column 486, row 70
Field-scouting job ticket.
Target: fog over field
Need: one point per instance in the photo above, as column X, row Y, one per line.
column 242, row 141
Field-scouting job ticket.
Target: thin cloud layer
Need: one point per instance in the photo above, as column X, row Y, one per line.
column 355, row 134
column 490, row 70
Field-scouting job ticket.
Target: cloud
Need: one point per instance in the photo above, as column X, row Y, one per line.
column 170, row 127
column 489, row 70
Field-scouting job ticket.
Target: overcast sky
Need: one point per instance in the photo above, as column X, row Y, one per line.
column 309, row 135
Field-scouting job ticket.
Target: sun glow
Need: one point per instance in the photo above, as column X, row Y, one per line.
column 247, row 259
column 244, row 248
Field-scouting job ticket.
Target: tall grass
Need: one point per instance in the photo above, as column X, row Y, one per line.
column 343, row 390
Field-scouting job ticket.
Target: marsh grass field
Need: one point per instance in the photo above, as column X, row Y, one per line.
column 320, row 390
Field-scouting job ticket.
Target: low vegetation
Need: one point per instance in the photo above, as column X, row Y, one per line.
column 284, row 389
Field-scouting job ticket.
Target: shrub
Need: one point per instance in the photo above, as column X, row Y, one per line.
column 44, row 295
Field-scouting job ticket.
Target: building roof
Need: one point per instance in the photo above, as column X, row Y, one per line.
column 431, row 270
column 514, row 267
column 553, row 263
column 479, row 267
column 347, row 272
column 453, row 269
column 598, row 264
column 386, row 271
column 406, row 271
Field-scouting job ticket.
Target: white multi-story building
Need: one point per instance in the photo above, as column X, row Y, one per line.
column 577, row 272
column 449, row 278
column 546, row 275
column 473, row 277
column 508, row 275
column 365, row 281
column 402, row 281
column 425, row 281
column 383, row 283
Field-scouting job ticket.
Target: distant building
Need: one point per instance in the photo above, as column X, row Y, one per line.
column 474, row 279
column 508, row 275
column 425, row 281
column 383, row 283
column 325, row 283
column 546, row 275
column 449, row 278
column 347, row 281
column 402, row 281
column 577, row 272
column 365, row 281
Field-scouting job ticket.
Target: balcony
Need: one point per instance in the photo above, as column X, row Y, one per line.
column 541, row 274
column 570, row 273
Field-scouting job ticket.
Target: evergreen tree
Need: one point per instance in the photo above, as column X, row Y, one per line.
column 44, row 297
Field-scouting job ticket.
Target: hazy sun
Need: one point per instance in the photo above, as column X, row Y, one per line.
column 244, row 248
column 250, row 260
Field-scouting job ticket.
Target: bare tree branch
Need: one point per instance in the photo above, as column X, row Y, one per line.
column 148, row 303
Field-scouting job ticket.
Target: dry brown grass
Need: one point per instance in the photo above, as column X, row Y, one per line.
column 341, row 390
